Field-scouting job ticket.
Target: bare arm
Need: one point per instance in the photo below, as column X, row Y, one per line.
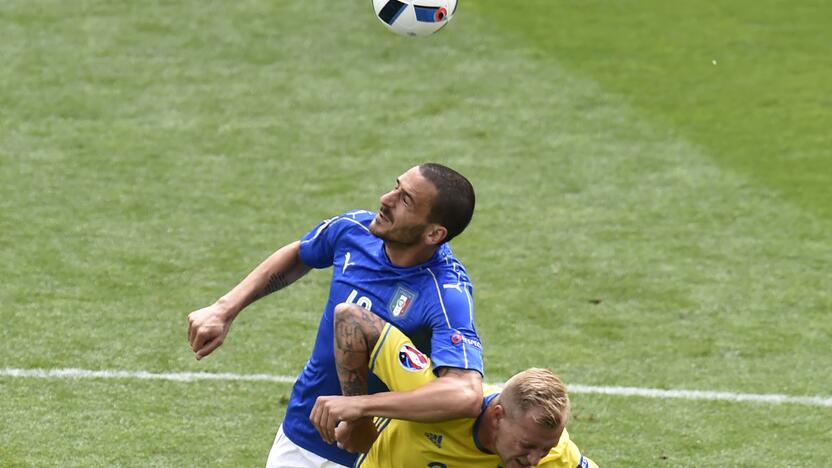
column 208, row 327
column 457, row 393
column 451, row 396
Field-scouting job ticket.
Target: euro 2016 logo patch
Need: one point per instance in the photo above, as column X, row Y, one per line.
column 402, row 300
column 457, row 338
column 412, row 359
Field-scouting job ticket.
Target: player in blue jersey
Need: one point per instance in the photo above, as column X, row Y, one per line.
column 396, row 263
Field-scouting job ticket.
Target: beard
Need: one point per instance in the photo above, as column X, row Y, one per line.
column 404, row 236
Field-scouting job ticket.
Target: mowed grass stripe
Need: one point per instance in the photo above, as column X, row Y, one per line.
column 605, row 245
column 628, row 245
column 594, row 223
column 72, row 373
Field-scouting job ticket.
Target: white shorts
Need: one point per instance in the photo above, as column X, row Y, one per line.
column 285, row 454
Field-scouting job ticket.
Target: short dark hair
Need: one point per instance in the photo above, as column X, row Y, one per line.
column 454, row 203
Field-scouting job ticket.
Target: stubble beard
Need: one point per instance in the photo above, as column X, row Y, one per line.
column 398, row 237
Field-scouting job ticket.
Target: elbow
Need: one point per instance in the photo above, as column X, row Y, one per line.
column 466, row 387
column 470, row 402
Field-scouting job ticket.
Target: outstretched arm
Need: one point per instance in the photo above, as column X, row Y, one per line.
column 208, row 327
column 457, row 393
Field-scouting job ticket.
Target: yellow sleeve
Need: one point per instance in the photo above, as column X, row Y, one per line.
column 566, row 455
column 397, row 362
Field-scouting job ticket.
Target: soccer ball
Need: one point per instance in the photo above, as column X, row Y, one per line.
column 415, row 17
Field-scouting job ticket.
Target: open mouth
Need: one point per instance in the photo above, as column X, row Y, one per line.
column 383, row 217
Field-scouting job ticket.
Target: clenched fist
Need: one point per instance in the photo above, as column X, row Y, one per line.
column 207, row 329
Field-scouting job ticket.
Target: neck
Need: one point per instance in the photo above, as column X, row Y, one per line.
column 485, row 433
column 408, row 255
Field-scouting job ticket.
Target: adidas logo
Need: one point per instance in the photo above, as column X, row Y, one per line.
column 435, row 438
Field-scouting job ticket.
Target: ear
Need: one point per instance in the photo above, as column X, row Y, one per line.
column 435, row 234
column 499, row 412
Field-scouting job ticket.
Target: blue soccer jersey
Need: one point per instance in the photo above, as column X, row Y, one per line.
column 432, row 303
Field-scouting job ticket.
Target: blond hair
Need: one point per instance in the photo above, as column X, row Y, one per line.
column 540, row 390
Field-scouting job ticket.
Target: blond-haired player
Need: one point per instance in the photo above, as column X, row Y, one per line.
column 522, row 424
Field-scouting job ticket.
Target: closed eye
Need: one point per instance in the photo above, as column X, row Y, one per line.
column 406, row 197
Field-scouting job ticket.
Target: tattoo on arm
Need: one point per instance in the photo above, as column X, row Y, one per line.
column 356, row 333
column 276, row 282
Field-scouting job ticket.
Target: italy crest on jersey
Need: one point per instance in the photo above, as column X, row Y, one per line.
column 412, row 359
column 402, row 300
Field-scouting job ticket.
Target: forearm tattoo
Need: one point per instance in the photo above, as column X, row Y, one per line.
column 276, row 282
column 356, row 333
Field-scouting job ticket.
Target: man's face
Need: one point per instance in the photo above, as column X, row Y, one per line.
column 403, row 214
column 520, row 441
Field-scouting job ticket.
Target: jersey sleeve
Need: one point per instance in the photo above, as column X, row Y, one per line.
column 454, row 342
column 398, row 363
column 317, row 247
column 566, row 455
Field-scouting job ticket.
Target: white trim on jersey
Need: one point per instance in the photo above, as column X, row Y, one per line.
column 445, row 312
column 463, row 288
column 470, row 305
column 334, row 220
column 358, row 223
column 439, row 294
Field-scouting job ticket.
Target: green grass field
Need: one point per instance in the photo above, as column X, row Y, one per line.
column 654, row 186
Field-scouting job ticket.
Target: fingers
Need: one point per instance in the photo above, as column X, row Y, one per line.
column 323, row 420
column 319, row 418
column 191, row 330
column 342, row 438
column 206, row 331
column 199, row 337
column 357, row 435
column 315, row 418
column 208, row 347
column 328, row 423
column 340, row 434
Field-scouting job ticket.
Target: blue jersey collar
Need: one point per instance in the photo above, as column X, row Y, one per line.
column 443, row 251
column 485, row 402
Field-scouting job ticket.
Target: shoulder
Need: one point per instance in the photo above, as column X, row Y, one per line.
column 362, row 216
column 355, row 219
column 450, row 280
column 355, row 222
column 449, row 267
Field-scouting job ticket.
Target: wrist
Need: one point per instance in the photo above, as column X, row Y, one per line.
column 362, row 404
column 226, row 309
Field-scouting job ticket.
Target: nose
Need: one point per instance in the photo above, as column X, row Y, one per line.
column 388, row 198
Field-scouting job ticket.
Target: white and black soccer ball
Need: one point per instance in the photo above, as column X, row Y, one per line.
column 415, row 17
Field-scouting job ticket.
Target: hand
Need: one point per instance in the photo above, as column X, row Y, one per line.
column 356, row 436
column 207, row 328
column 330, row 410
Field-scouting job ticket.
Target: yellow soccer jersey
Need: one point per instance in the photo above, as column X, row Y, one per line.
column 449, row 444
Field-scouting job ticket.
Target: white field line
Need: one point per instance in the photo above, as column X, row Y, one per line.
column 140, row 375
column 771, row 398
column 70, row 373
